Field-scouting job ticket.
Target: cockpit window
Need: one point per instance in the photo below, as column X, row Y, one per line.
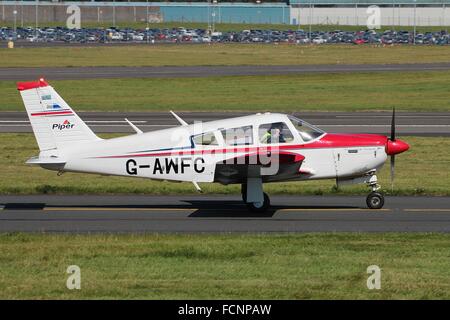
column 276, row 132
column 206, row 139
column 307, row 131
column 238, row 136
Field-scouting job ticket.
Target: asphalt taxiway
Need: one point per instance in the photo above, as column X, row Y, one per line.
column 408, row 123
column 73, row 73
column 211, row 214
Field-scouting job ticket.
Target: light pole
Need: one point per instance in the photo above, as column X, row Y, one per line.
column 214, row 15
column 393, row 14
column 114, row 13
column 37, row 18
column 258, row 12
column 148, row 26
column 21, row 13
column 15, row 17
column 310, row 21
column 415, row 4
column 208, row 14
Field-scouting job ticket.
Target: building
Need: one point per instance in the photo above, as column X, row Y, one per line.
column 295, row 12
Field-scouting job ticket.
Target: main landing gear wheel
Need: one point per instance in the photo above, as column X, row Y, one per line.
column 375, row 200
column 259, row 206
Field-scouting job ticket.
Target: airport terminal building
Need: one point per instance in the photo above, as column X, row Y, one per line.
column 294, row 12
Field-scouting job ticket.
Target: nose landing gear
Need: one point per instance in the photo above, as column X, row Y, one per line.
column 375, row 200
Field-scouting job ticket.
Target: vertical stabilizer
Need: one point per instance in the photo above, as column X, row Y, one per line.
column 54, row 123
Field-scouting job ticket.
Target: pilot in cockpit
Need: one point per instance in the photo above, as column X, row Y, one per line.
column 274, row 134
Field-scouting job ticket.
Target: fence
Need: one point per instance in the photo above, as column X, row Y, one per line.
column 26, row 12
column 317, row 12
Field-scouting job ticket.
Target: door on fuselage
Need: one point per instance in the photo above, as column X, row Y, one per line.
column 318, row 160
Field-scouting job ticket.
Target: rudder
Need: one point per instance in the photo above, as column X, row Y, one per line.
column 54, row 123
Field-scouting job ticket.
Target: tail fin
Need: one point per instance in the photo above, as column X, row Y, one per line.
column 54, row 123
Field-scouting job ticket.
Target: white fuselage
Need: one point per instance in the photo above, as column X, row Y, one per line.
column 173, row 154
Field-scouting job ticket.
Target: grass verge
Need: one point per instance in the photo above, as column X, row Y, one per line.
column 423, row 170
column 407, row 91
column 295, row 266
column 219, row 54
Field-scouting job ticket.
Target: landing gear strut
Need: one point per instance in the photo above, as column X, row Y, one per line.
column 375, row 200
column 253, row 195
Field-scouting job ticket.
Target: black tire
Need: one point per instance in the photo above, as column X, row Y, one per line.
column 375, row 200
column 261, row 207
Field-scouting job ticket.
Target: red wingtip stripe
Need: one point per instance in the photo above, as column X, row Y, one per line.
column 31, row 85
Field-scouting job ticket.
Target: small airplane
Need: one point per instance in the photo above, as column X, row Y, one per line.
column 249, row 150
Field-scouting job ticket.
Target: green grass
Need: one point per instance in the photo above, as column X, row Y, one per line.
column 407, row 91
column 219, row 54
column 421, row 170
column 295, row 266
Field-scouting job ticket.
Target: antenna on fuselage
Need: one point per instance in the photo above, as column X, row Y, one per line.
column 197, row 186
column 138, row 131
column 181, row 121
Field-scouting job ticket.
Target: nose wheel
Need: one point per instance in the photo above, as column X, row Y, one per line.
column 375, row 200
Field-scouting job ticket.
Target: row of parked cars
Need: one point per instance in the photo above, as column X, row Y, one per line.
column 183, row 35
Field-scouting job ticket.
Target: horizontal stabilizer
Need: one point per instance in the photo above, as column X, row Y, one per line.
column 50, row 163
column 46, row 160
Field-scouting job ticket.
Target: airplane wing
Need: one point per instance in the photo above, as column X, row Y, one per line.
column 270, row 165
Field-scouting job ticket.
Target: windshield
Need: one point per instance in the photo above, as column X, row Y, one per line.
column 307, row 131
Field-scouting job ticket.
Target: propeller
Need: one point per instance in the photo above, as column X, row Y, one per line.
column 393, row 125
column 393, row 155
column 392, row 172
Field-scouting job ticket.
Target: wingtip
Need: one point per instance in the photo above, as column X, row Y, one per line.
column 32, row 84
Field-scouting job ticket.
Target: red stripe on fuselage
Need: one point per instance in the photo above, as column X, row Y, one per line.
column 326, row 142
